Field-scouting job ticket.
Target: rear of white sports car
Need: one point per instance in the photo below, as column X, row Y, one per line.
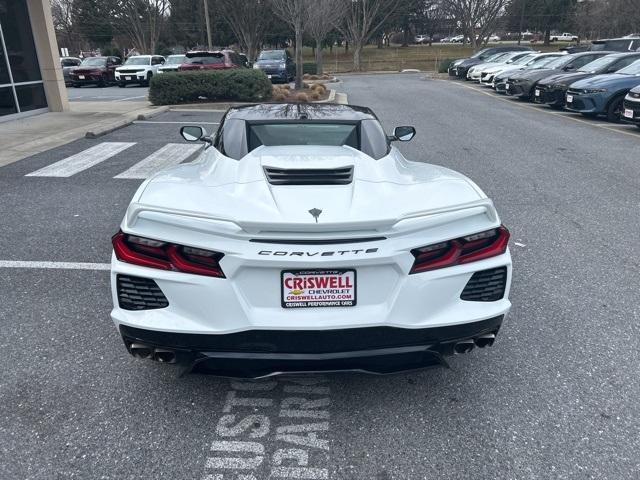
column 346, row 263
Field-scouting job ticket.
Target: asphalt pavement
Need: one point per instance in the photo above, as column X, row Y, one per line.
column 113, row 93
column 555, row 398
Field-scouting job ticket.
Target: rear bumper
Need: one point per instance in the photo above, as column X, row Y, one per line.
column 263, row 353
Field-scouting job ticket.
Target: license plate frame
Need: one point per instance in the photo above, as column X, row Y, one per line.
column 537, row 93
column 81, row 77
column 348, row 289
column 628, row 113
column 127, row 78
column 569, row 98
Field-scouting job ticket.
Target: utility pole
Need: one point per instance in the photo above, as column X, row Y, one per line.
column 206, row 18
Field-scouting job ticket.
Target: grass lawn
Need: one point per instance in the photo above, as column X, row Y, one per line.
column 396, row 58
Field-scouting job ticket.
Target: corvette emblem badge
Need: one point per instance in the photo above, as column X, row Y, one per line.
column 316, row 213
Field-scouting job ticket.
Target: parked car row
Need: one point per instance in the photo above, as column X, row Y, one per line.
column 139, row 69
column 592, row 83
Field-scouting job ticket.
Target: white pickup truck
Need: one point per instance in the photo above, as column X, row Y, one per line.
column 564, row 37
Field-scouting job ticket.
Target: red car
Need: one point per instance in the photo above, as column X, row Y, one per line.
column 219, row 60
column 95, row 71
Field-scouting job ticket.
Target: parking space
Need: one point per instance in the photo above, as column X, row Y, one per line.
column 556, row 397
column 598, row 122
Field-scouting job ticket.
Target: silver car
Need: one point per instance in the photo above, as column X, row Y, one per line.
column 68, row 64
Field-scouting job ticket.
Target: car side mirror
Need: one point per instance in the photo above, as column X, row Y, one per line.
column 568, row 68
column 403, row 134
column 193, row 133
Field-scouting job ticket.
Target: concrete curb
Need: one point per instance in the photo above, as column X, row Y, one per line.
column 330, row 99
column 109, row 127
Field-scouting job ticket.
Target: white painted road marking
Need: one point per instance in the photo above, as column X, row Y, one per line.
column 169, row 155
column 54, row 265
column 83, row 160
column 138, row 122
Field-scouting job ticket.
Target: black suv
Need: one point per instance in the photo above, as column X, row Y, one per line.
column 276, row 64
column 460, row 67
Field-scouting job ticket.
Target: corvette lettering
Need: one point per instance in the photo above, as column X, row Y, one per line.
column 315, row 254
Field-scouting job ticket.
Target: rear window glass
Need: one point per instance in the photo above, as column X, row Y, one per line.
column 276, row 134
column 96, row 62
column 206, row 60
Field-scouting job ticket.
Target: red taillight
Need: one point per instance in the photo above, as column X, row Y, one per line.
column 166, row 256
column 461, row 250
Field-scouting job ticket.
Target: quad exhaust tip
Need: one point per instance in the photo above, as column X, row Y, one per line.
column 464, row 347
column 140, row 350
column 485, row 340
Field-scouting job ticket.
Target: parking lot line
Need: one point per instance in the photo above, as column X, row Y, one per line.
column 83, row 160
column 541, row 109
column 54, row 265
column 169, row 155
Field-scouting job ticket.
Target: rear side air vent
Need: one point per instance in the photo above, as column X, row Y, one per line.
column 486, row 286
column 136, row 293
column 309, row 176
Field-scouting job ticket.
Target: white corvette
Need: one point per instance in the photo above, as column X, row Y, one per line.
column 302, row 240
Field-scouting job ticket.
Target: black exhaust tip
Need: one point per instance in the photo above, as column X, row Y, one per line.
column 464, row 347
column 485, row 340
column 139, row 350
column 164, row 356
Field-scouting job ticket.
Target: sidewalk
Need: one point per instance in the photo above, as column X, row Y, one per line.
column 27, row 136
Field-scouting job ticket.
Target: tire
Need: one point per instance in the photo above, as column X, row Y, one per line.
column 614, row 110
column 589, row 115
column 76, row 85
column 148, row 81
column 122, row 85
column 104, row 81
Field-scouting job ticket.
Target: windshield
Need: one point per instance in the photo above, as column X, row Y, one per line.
column 275, row 134
column 633, row 69
column 524, row 60
column 539, row 62
column 175, row 60
column 559, row 62
column 207, row 60
column 493, row 58
column 599, row 64
column 480, row 54
column 95, row 62
column 272, row 55
column 138, row 61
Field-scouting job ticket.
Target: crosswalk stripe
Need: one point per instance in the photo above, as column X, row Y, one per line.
column 82, row 160
column 169, row 155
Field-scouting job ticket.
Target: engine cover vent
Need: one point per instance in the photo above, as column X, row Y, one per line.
column 309, row 176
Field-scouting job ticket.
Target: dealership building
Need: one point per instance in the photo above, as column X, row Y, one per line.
column 31, row 79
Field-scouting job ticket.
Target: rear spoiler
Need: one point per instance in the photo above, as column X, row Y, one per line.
column 483, row 209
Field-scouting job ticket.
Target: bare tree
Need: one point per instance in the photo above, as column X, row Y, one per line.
column 362, row 20
column 63, row 22
column 322, row 17
column 248, row 19
column 295, row 13
column 142, row 22
column 476, row 17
